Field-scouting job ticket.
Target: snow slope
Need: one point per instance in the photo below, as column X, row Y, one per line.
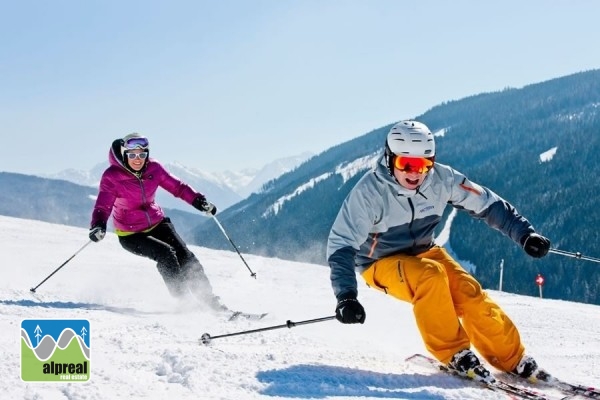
column 144, row 345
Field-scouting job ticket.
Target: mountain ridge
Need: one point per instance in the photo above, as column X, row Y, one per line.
column 496, row 139
column 222, row 188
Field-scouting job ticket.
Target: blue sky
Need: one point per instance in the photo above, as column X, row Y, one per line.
column 233, row 84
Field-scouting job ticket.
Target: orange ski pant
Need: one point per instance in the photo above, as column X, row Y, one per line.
column 451, row 309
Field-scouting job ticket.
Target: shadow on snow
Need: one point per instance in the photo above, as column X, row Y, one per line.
column 320, row 381
column 73, row 305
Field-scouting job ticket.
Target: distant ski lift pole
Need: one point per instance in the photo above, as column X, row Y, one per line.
column 501, row 275
column 252, row 274
column 539, row 280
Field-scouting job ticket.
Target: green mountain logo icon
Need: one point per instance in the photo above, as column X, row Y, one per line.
column 55, row 350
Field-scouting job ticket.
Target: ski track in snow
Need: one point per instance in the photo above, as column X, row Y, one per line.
column 145, row 345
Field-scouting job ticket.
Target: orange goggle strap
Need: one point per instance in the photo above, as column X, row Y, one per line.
column 414, row 164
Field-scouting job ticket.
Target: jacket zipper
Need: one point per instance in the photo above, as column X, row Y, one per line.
column 139, row 178
column 412, row 219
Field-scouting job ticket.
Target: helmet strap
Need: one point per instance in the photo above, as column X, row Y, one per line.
column 389, row 159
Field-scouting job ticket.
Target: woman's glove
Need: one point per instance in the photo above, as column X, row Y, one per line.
column 200, row 203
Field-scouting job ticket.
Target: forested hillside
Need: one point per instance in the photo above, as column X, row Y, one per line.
column 496, row 139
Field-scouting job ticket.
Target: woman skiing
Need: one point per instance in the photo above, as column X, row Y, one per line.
column 127, row 191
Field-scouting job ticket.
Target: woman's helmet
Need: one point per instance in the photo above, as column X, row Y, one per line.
column 133, row 141
column 409, row 139
column 128, row 143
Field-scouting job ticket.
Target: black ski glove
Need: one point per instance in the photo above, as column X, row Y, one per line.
column 201, row 204
column 97, row 231
column 350, row 311
column 535, row 245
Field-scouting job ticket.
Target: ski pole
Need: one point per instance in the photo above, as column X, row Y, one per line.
column 252, row 274
column 61, row 265
column 206, row 338
column 577, row 255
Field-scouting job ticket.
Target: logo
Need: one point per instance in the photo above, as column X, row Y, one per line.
column 55, row 350
column 477, row 190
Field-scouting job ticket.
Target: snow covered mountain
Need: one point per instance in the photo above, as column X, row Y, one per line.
column 250, row 181
column 145, row 345
column 222, row 188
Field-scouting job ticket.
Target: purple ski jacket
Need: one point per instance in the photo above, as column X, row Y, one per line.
column 130, row 198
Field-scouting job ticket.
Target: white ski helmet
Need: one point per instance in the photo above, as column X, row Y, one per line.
column 408, row 138
column 411, row 138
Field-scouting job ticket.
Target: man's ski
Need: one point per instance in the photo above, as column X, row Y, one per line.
column 543, row 379
column 576, row 390
column 573, row 389
column 498, row 386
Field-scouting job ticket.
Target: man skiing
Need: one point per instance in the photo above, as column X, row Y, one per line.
column 385, row 230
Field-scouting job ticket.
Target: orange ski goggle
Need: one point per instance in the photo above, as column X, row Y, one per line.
column 422, row 165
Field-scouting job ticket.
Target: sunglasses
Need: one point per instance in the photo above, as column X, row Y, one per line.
column 141, row 156
column 136, row 143
column 421, row 165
